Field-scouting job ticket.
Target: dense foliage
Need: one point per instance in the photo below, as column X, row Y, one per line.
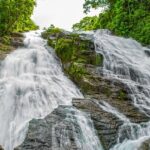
column 129, row 18
column 70, row 46
column 15, row 16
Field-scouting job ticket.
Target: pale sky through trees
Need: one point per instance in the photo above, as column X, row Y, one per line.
column 61, row 13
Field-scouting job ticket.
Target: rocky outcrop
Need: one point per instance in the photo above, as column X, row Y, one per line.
column 10, row 43
column 58, row 131
column 106, row 124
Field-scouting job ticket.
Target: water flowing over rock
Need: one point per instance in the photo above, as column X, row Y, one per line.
column 66, row 128
column 125, row 61
column 32, row 85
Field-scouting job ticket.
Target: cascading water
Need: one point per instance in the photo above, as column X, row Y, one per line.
column 32, row 85
column 125, row 60
column 79, row 131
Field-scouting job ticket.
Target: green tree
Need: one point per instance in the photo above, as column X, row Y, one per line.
column 129, row 18
column 15, row 16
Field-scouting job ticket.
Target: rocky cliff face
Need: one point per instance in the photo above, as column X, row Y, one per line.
column 83, row 66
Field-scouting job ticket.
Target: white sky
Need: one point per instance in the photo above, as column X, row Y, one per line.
column 61, row 13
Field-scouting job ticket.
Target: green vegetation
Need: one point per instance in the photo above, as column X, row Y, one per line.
column 76, row 54
column 9, row 43
column 87, row 23
column 70, row 47
column 52, row 31
column 128, row 18
column 122, row 95
column 15, row 16
column 76, row 71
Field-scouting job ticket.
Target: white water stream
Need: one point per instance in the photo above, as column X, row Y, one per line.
column 125, row 60
column 32, row 85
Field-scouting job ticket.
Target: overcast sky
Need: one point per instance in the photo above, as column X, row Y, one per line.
column 61, row 13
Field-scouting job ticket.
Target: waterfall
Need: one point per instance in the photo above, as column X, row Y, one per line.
column 32, row 85
column 127, row 61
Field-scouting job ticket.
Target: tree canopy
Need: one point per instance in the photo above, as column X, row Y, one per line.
column 15, row 15
column 129, row 18
column 94, row 4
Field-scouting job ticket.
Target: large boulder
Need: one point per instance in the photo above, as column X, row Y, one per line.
column 58, row 131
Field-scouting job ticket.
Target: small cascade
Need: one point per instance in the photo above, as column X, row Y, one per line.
column 76, row 132
column 127, row 61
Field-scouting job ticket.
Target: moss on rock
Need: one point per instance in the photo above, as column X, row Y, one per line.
column 99, row 60
column 52, row 31
column 65, row 49
column 76, row 54
column 9, row 43
column 122, row 95
column 71, row 47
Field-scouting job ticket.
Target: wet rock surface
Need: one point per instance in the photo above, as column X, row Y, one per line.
column 106, row 124
column 147, row 52
column 57, row 131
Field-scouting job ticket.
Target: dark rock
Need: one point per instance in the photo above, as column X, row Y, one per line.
column 147, row 52
column 58, row 131
column 17, row 34
column 106, row 124
column 10, row 43
column 1, row 148
column 145, row 145
column 17, row 42
column 148, row 46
